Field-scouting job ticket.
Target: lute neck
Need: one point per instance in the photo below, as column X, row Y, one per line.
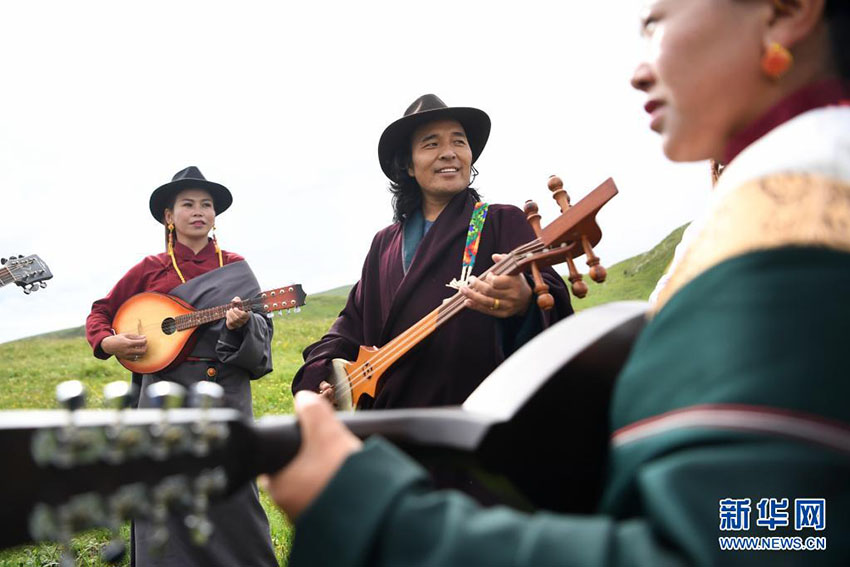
column 450, row 307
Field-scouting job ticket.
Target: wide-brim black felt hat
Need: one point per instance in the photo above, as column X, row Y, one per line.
column 189, row 178
column 428, row 108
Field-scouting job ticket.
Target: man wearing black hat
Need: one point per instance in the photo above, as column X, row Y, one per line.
column 442, row 235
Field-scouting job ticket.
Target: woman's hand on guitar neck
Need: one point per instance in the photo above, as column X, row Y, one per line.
column 125, row 345
column 236, row 317
column 499, row 296
column 325, row 445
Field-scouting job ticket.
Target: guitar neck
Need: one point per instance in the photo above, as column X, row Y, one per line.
column 211, row 314
column 6, row 276
column 422, row 329
column 274, row 440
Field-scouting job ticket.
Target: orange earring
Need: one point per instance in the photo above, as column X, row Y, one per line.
column 776, row 60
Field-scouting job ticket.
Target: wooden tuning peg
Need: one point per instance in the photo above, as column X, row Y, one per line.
column 598, row 273
column 544, row 299
column 578, row 286
column 556, row 186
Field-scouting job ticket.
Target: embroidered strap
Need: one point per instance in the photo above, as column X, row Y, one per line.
column 473, row 239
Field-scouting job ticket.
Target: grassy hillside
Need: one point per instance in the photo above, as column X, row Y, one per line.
column 31, row 368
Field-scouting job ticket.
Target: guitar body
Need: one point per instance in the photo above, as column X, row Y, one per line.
column 144, row 314
column 351, row 380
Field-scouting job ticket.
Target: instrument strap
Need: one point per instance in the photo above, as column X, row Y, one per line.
column 473, row 239
column 174, row 259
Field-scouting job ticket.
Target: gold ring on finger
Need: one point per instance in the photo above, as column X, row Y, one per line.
column 495, row 306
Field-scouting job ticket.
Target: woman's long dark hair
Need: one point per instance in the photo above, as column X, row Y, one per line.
column 407, row 195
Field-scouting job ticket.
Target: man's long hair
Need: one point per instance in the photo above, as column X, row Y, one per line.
column 407, row 195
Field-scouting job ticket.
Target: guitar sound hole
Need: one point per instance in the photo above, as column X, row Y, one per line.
column 169, row 326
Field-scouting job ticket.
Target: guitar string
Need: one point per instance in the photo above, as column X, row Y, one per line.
column 453, row 305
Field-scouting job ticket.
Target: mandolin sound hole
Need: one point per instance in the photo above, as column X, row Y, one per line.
column 169, row 326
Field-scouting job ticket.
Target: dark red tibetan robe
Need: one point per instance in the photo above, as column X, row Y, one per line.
column 447, row 366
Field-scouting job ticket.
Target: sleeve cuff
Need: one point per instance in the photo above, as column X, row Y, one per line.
column 99, row 352
column 354, row 503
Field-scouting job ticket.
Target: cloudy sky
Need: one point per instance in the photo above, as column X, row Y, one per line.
column 284, row 103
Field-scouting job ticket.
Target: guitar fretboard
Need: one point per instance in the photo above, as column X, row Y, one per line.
column 204, row 316
column 6, row 276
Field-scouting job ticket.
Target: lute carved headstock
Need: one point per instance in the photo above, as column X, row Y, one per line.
column 569, row 236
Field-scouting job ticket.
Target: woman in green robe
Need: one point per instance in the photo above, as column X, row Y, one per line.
column 730, row 426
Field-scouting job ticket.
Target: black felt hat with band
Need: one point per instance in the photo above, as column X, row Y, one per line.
column 428, row 108
column 189, row 178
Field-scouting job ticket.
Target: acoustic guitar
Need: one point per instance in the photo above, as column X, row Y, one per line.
column 31, row 272
column 169, row 323
column 537, row 425
column 572, row 234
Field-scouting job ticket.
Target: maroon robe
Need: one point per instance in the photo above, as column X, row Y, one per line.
column 241, row 535
column 153, row 273
column 447, row 366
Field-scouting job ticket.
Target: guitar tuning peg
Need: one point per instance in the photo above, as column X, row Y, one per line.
column 166, row 395
column 42, row 285
column 206, row 395
column 119, row 394
column 114, row 551
column 3, row 261
column 27, row 291
column 71, row 395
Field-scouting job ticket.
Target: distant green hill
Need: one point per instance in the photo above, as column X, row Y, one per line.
column 32, row 367
column 634, row 278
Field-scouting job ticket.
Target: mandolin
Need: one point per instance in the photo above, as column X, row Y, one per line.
column 169, row 323
column 29, row 272
column 572, row 234
column 537, row 424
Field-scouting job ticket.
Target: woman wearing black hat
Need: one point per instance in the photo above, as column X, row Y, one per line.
column 428, row 156
column 231, row 352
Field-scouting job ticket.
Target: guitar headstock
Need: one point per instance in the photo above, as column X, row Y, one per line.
column 76, row 469
column 287, row 299
column 29, row 272
column 574, row 233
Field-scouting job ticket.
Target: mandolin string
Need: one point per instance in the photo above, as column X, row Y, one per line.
column 190, row 319
column 416, row 333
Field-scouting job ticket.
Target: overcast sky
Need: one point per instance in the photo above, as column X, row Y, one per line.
column 284, row 103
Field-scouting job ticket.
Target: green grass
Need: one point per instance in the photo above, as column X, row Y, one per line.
column 31, row 368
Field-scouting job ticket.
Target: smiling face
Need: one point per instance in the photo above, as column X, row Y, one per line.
column 440, row 159
column 702, row 76
column 193, row 214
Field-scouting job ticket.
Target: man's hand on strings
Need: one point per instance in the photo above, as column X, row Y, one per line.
column 125, row 345
column 327, row 391
column 500, row 296
column 236, row 317
column 325, row 444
